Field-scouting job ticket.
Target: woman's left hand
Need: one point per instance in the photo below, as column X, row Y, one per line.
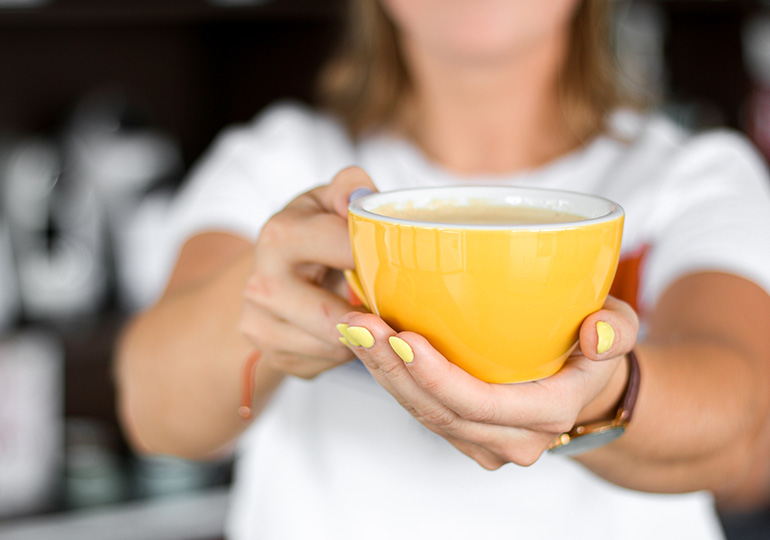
column 498, row 423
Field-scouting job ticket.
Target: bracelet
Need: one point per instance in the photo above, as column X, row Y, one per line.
column 245, row 410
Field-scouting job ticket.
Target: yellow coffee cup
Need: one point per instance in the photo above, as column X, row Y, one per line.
column 498, row 292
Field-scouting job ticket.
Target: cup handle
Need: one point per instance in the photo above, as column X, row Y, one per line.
column 355, row 286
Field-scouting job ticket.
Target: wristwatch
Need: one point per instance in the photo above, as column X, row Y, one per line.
column 585, row 437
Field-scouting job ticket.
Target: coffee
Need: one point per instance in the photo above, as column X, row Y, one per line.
column 477, row 213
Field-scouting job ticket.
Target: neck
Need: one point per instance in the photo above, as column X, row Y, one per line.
column 500, row 117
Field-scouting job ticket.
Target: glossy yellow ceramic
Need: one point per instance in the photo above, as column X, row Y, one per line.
column 502, row 302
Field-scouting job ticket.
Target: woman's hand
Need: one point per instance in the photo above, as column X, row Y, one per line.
column 496, row 424
column 295, row 294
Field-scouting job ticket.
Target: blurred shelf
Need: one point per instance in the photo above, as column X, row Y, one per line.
column 196, row 67
column 194, row 516
column 165, row 12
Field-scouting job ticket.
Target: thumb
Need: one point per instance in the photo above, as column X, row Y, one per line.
column 345, row 187
column 609, row 332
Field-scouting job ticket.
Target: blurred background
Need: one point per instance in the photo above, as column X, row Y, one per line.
column 104, row 107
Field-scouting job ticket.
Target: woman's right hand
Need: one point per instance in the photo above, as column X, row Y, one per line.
column 295, row 294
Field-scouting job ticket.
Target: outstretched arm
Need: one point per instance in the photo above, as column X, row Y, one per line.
column 700, row 413
column 181, row 363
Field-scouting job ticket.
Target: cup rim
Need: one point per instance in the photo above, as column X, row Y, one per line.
column 557, row 199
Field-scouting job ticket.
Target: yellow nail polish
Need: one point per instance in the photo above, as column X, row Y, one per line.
column 606, row 336
column 345, row 342
column 342, row 328
column 401, row 348
column 361, row 335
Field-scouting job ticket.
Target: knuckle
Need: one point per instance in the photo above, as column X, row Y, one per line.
column 252, row 330
column 259, row 288
column 411, row 410
column 281, row 231
column 306, row 374
column 481, row 456
column 524, row 456
column 369, row 362
column 276, row 229
column 438, row 416
column 490, row 463
column 484, row 413
column 432, row 385
column 390, row 369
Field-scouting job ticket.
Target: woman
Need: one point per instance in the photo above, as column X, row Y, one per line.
column 436, row 93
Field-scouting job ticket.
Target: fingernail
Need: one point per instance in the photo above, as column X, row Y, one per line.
column 361, row 335
column 345, row 342
column 358, row 193
column 606, row 336
column 401, row 348
column 342, row 328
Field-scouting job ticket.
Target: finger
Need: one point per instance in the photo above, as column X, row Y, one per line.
column 487, row 459
column 348, row 180
column 303, row 304
column 492, row 445
column 304, row 235
column 297, row 365
column 369, row 336
column 274, row 336
column 549, row 405
column 609, row 332
column 335, row 196
column 464, row 394
column 452, row 401
column 500, row 443
column 373, row 369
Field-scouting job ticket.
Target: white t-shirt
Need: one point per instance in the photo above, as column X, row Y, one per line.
column 337, row 458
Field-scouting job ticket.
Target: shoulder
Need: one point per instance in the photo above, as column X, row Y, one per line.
column 659, row 169
column 647, row 157
column 289, row 133
column 253, row 169
column 285, row 150
column 698, row 201
column 656, row 144
column 297, row 120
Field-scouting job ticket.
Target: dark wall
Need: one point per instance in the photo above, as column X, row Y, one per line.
column 193, row 68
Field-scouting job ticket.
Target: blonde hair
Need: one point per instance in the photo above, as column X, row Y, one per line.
column 366, row 79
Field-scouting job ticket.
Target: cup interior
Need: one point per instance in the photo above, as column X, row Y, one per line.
column 590, row 208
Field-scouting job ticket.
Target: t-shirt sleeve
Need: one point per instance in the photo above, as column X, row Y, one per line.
column 252, row 171
column 712, row 213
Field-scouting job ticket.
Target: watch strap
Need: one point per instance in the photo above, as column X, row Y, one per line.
column 628, row 404
column 594, row 434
